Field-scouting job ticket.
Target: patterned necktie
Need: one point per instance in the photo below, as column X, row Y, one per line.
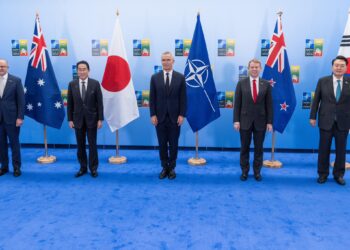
column 338, row 91
column 167, row 83
column 83, row 91
column 255, row 92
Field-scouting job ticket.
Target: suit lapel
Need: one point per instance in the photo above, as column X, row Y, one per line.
column 77, row 90
column 172, row 82
column 9, row 82
column 261, row 89
column 161, row 81
column 331, row 89
column 345, row 88
column 249, row 88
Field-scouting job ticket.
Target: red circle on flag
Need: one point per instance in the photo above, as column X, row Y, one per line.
column 117, row 74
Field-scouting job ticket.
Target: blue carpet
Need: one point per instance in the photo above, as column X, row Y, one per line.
column 128, row 207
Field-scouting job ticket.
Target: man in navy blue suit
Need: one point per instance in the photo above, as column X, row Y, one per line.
column 332, row 106
column 168, row 108
column 11, row 118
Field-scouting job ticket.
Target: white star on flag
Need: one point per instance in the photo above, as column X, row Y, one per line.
column 284, row 106
column 30, row 107
column 39, row 104
column 41, row 82
column 25, row 90
column 58, row 105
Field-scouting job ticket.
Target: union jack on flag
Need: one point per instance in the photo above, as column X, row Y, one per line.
column 42, row 94
column 277, row 72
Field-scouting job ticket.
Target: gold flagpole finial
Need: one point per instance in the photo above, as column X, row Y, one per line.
column 280, row 13
column 37, row 14
column 117, row 12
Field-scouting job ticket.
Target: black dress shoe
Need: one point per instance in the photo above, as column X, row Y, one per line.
column 243, row 177
column 163, row 174
column 3, row 171
column 340, row 180
column 17, row 172
column 81, row 172
column 94, row 173
column 322, row 179
column 171, row 174
column 258, row 177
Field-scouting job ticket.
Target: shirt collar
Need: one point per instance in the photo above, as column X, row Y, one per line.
column 5, row 76
column 335, row 79
column 85, row 81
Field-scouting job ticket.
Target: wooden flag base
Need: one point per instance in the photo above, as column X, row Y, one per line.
column 117, row 159
column 272, row 164
column 197, row 161
column 46, row 159
column 347, row 165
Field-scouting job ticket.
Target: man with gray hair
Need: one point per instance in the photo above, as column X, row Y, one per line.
column 11, row 118
column 168, row 109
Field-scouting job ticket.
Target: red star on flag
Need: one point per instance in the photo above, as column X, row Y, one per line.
column 272, row 82
column 284, row 106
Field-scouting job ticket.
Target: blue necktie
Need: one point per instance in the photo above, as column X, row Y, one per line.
column 338, row 91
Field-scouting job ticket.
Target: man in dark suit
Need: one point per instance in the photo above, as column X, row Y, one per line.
column 332, row 103
column 11, row 118
column 253, row 115
column 85, row 115
column 168, row 109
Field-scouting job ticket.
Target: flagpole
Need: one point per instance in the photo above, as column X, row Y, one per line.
column 46, row 158
column 273, row 163
column 117, row 159
column 196, row 161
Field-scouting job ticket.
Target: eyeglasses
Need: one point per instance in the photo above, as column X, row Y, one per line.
column 3, row 66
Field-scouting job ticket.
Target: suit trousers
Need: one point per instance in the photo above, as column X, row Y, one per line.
column 168, row 139
column 246, row 138
column 10, row 132
column 324, row 151
column 91, row 133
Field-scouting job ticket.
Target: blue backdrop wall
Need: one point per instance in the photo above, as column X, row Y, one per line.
column 163, row 21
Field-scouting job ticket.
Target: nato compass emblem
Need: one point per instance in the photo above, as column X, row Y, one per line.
column 197, row 75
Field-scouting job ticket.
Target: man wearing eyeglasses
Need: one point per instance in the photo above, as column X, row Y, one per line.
column 11, row 118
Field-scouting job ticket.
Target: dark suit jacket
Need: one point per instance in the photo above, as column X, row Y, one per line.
column 12, row 101
column 174, row 104
column 328, row 108
column 91, row 109
column 246, row 111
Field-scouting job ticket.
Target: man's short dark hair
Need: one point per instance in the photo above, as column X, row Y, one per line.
column 84, row 62
column 343, row 58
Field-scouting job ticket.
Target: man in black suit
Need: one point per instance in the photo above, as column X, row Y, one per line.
column 332, row 103
column 85, row 115
column 253, row 114
column 168, row 108
column 11, row 118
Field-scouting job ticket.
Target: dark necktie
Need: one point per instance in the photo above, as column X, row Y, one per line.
column 83, row 91
column 255, row 92
column 167, row 83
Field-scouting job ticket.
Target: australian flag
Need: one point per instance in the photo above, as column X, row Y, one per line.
column 202, row 102
column 277, row 72
column 42, row 94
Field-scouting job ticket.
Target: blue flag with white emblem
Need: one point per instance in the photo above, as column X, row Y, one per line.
column 277, row 72
column 202, row 102
column 42, row 94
